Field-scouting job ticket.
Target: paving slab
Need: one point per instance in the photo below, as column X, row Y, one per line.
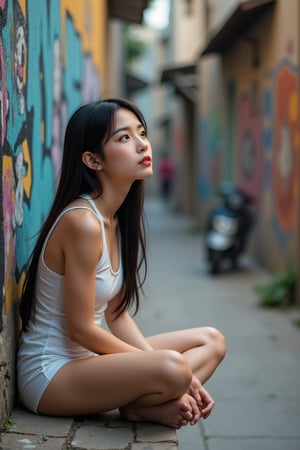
column 25, row 422
column 12, row 441
column 147, row 432
column 92, row 437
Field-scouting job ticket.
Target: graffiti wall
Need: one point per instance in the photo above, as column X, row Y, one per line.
column 259, row 139
column 267, row 159
column 283, row 131
column 49, row 63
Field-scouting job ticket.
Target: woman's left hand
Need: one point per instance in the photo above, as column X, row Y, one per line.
column 204, row 400
column 207, row 403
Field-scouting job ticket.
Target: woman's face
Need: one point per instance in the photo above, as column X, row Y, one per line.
column 128, row 153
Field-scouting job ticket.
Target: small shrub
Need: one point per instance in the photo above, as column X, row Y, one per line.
column 280, row 291
column 7, row 424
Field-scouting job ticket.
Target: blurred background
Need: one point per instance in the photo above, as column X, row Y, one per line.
column 218, row 83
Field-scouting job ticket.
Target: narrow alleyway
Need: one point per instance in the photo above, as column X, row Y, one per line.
column 257, row 387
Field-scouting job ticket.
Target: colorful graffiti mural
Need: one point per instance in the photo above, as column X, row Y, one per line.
column 49, row 64
column 262, row 150
column 282, row 144
column 286, row 146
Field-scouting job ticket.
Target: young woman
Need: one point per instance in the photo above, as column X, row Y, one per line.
column 86, row 265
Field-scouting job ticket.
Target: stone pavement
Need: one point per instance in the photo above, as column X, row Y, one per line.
column 103, row 432
column 256, row 388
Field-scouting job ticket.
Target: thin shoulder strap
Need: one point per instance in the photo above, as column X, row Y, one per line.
column 93, row 205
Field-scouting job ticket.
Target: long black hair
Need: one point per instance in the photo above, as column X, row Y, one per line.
column 88, row 129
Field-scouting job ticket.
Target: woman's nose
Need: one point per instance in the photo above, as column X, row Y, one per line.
column 142, row 145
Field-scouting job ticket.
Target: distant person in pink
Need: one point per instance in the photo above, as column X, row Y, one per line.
column 166, row 172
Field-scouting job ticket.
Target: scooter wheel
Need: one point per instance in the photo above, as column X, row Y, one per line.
column 214, row 269
column 234, row 263
column 214, row 264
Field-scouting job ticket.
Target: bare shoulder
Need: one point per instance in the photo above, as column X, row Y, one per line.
column 78, row 225
column 82, row 240
column 76, row 237
column 81, row 221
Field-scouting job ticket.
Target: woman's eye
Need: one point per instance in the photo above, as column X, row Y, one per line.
column 124, row 138
column 143, row 133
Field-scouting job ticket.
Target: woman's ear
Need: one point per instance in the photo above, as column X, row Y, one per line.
column 91, row 160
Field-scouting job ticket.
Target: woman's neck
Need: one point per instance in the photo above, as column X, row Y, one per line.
column 108, row 203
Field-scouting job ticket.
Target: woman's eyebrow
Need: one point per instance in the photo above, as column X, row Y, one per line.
column 127, row 128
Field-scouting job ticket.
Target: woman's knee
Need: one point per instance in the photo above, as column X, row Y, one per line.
column 217, row 342
column 174, row 370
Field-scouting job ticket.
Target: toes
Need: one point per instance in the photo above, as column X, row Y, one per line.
column 184, row 407
column 187, row 415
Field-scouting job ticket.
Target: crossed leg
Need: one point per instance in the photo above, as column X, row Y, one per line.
column 153, row 381
column 145, row 385
column 204, row 348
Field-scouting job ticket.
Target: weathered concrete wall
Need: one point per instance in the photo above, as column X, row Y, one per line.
column 51, row 60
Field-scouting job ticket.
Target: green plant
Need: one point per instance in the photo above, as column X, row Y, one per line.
column 280, row 291
column 8, row 423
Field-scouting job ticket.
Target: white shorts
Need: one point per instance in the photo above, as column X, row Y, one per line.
column 34, row 377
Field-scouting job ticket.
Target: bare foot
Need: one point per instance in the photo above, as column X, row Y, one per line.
column 175, row 413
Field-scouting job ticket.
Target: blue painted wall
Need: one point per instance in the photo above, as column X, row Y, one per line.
column 47, row 69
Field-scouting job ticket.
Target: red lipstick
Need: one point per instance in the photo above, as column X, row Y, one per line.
column 146, row 161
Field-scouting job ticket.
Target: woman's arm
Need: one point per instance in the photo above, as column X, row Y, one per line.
column 82, row 249
column 124, row 327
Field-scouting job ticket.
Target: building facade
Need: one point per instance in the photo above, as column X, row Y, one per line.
column 249, row 120
column 240, row 121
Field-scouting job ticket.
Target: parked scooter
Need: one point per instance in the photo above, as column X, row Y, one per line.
column 228, row 227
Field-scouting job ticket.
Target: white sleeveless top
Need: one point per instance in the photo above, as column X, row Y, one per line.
column 47, row 335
